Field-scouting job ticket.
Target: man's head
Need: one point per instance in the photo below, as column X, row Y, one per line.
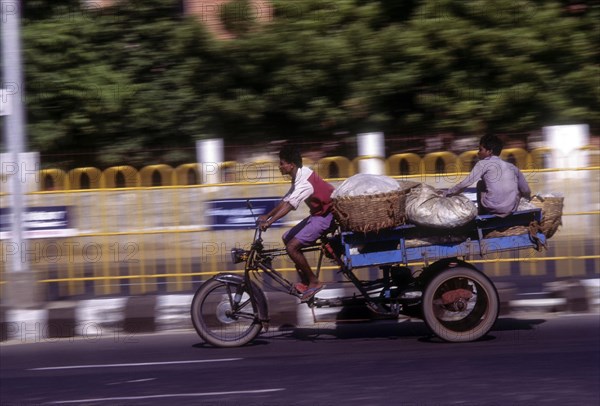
column 490, row 145
column 289, row 158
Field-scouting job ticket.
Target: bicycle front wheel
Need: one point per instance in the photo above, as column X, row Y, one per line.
column 224, row 315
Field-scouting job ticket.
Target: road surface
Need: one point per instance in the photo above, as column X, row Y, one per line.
column 525, row 361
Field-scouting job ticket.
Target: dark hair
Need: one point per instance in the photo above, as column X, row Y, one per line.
column 492, row 143
column 289, row 153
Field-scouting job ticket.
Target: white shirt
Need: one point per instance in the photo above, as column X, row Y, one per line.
column 301, row 188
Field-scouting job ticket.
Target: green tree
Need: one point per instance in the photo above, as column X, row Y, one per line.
column 118, row 82
column 504, row 66
column 440, row 65
column 138, row 83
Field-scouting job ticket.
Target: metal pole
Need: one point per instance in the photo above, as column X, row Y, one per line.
column 14, row 122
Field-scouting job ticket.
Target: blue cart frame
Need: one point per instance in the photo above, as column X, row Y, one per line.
column 389, row 246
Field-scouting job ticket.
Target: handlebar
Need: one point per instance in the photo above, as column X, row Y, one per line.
column 257, row 233
column 257, row 241
column 240, row 254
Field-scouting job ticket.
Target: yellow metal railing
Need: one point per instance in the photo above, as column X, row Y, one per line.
column 135, row 238
column 230, row 172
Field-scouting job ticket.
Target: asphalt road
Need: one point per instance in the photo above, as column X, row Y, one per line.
column 544, row 360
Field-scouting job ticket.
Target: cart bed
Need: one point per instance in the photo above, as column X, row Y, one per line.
column 410, row 243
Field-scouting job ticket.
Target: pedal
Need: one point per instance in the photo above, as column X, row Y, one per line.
column 381, row 312
column 327, row 302
column 411, row 294
column 265, row 325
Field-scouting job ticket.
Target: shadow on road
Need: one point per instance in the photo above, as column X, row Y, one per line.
column 511, row 324
column 395, row 329
column 254, row 343
column 373, row 329
column 380, row 329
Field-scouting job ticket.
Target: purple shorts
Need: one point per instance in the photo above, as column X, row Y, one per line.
column 309, row 230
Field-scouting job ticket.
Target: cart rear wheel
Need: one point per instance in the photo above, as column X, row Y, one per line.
column 460, row 304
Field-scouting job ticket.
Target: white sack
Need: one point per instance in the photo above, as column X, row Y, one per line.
column 525, row 204
column 550, row 194
column 426, row 208
column 364, row 184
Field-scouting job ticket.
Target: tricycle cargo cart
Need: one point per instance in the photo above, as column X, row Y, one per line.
column 457, row 301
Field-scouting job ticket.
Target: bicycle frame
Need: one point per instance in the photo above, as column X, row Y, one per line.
column 258, row 258
column 372, row 293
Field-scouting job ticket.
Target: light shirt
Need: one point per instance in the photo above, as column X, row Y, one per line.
column 504, row 184
column 311, row 189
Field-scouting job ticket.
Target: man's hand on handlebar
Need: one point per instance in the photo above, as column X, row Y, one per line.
column 263, row 222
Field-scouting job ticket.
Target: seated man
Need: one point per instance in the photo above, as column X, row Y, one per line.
column 500, row 184
column 306, row 186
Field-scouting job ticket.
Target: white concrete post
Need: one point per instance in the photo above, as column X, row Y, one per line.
column 209, row 153
column 565, row 141
column 371, row 145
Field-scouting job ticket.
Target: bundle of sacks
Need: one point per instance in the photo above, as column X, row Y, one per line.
column 426, row 207
column 368, row 203
column 371, row 202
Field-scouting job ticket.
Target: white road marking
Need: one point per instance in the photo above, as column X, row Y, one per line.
column 170, row 395
column 132, row 381
column 141, row 380
column 141, row 364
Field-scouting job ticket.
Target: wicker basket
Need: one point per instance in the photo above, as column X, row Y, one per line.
column 533, row 228
column 509, row 232
column 371, row 213
column 552, row 209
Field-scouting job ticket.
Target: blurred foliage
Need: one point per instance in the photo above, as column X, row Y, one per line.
column 238, row 16
column 119, row 81
column 138, row 82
